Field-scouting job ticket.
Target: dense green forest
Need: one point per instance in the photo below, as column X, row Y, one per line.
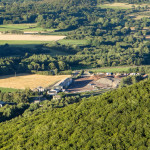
column 113, row 37
column 115, row 120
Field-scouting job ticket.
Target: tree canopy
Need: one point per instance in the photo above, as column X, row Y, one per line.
column 115, row 120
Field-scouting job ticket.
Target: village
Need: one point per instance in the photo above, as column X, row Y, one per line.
column 86, row 82
column 79, row 83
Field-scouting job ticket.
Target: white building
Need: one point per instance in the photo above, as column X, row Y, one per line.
column 60, row 86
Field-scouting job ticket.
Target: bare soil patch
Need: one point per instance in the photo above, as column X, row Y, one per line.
column 94, row 82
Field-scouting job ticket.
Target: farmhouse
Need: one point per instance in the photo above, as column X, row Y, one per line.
column 109, row 74
column 63, row 83
column 53, row 92
column 60, row 86
column 39, row 89
column 132, row 74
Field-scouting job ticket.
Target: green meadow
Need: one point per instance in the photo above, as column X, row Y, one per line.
column 23, row 27
column 8, row 89
column 112, row 69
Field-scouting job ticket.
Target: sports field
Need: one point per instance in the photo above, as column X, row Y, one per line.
column 22, row 81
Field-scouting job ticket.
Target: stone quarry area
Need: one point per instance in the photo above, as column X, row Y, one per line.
column 94, row 82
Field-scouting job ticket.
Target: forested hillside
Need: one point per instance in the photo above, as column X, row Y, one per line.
column 116, row 120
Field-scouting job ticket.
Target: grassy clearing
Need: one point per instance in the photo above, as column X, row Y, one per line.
column 140, row 15
column 23, row 43
column 112, row 69
column 64, row 42
column 73, row 42
column 23, row 27
column 119, row 5
column 32, row 45
column 116, row 5
column 8, row 90
column 113, row 7
column 22, row 81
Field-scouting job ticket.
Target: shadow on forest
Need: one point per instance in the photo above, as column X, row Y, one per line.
column 7, row 50
column 79, row 84
column 15, row 114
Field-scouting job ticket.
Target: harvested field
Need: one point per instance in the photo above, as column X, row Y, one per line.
column 12, row 37
column 22, row 81
column 120, row 5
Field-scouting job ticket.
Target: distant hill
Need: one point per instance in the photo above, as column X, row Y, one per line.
column 116, row 120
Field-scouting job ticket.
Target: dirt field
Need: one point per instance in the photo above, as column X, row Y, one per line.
column 11, row 37
column 23, row 81
column 93, row 83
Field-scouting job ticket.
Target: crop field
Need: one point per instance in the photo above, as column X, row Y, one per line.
column 22, row 81
column 119, row 5
column 24, row 27
column 11, row 37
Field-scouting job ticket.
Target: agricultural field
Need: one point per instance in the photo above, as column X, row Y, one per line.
column 23, row 27
column 112, row 69
column 24, row 44
column 22, row 81
column 34, row 43
column 119, row 5
column 11, row 37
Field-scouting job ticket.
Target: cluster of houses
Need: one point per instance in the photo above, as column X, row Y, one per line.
column 122, row 74
column 58, row 87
